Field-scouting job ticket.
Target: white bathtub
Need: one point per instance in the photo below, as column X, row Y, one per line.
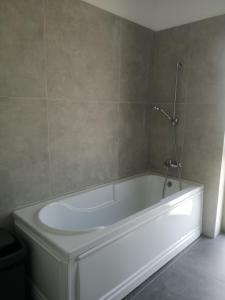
column 102, row 243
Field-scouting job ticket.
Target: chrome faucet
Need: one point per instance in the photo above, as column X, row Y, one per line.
column 172, row 164
column 173, row 119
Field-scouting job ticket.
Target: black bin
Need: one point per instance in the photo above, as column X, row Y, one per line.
column 12, row 267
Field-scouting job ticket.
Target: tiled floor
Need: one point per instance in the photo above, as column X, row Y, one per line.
column 198, row 273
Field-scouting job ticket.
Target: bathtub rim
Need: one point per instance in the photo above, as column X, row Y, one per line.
column 90, row 188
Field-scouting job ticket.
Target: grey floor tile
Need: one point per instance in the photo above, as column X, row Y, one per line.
column 197, row 274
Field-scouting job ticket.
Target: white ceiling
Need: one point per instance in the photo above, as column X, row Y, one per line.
column 162, row 14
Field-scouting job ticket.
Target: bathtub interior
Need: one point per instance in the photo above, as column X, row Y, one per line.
column 107, row 205
column 146, row 190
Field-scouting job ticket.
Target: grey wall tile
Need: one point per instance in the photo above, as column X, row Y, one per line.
column 99, row 54
column 63, row 48
column 170, row 46
column 162, row 136
column 62, row 14
column 135, row 62
column 207, row 61
column 204, row 137
column 24, row 173
column 133, row 139
column 22, row 56
column 70, row 51
column 82, row 144
column 83, row 53
column 203, row 140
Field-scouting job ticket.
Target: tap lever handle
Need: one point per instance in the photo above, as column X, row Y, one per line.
column 172, row 164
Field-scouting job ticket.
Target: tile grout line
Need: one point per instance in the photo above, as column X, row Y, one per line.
column 138, row 102
column 74, row 101
column 186, row 98
column 151, row 102
column 47, row 101
column 120, row 56
column 22, row 98
column 150, row 135
column 146, row 134
column 117, row 143
column 45, row 3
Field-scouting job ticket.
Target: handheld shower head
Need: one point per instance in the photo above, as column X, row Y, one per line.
column 162, row 111
column 174, row 121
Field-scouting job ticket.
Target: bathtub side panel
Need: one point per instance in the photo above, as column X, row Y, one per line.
column 114, row 270
column 48, row 275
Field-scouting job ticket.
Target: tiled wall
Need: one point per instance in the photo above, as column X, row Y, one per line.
column 75, row 84
column 200, row 47
column 76, row 91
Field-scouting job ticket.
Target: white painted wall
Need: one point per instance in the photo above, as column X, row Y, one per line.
column 161, row 14
column 133, row 10
column 177, row 12
column 220, row 216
